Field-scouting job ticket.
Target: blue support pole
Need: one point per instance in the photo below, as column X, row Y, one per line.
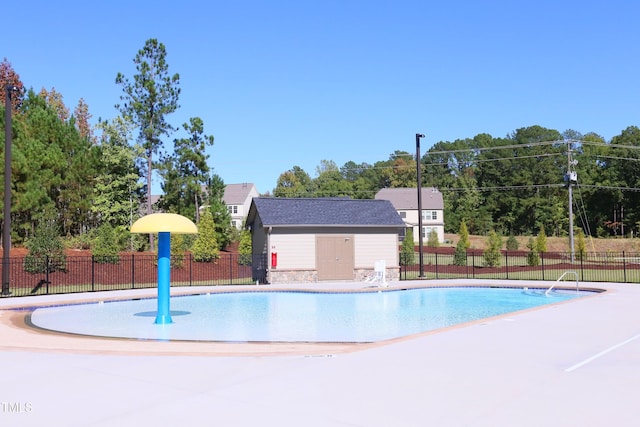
column 164, row 277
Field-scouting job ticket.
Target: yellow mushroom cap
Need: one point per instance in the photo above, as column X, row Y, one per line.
column 164, row 222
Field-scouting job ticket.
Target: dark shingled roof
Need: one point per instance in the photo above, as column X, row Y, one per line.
column 275, row 211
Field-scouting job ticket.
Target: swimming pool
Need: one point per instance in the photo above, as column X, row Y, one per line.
column 286, row 316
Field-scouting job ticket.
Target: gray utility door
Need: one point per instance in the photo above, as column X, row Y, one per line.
column 334, row 257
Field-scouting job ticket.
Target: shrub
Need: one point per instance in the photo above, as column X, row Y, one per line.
column 46, row 251
column 105, row 249
column 205, row 248
column 432, row 240
column 460, row 255
column 464, row 235
column 492, row 252
column 407, row 250
column 533, row 257
column 512, row 243
column 541, row 241
column 178, row 249
column 245, row 249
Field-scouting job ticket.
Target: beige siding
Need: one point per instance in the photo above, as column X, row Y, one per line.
column 294, row 250
column 411, row 219
column 370, row 248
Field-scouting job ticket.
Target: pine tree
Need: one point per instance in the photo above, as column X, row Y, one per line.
column 460, row 254
column 186, row 172
column 148, row 100
column 464, row 235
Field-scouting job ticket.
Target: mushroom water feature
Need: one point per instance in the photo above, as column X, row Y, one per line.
column 164, row 224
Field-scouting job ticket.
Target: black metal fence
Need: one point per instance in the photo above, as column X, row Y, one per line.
column 442, row 263
column 29, row 276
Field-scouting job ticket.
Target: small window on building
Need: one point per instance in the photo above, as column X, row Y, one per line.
column 403, row 214
column 430, row 215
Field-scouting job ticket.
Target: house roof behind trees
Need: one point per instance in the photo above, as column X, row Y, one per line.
column 236, row 194
column 276, row 211
column 407, row 198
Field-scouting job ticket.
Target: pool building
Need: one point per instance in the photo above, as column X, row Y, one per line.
column 318, row 239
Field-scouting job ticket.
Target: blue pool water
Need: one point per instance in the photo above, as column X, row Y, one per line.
column 294, row 316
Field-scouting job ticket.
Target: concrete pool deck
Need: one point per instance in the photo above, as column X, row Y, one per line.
column 572, row 364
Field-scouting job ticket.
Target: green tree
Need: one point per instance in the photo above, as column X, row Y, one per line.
column 66, row 166
column 205, row 248
column 294, row 183
column 46, row 250
column 118, row 192
column 179, row 246
column 492, row 252
column 452, row 165
column 407, row 249
column 401, row 170
column 432, row 239
column 330, row 183
column 541, row 241
column 512, row 243
column 105, row 248
column 219, row 211
column 186, row 173
column 460, row 254
column 533, row 257
column 464, row 235
column 245, row 248
column 526, row 170
column 147, row 101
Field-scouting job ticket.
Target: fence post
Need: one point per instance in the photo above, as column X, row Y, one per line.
column 506, row 262
column 93, row 274
column 437, row 264
column 46, row 272
column 473, row 262
column 190, row 269
column 466, row 262
column 542, row 263
column 624, row 266
column 230, row 268
column 133, row 271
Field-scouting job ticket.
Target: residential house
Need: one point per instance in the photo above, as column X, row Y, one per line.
column 405, row 201
column 238, row 198
column 316, row 239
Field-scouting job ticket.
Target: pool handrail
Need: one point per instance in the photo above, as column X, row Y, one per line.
column 560, row 278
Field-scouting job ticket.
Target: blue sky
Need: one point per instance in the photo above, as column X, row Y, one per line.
column 286, row 83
